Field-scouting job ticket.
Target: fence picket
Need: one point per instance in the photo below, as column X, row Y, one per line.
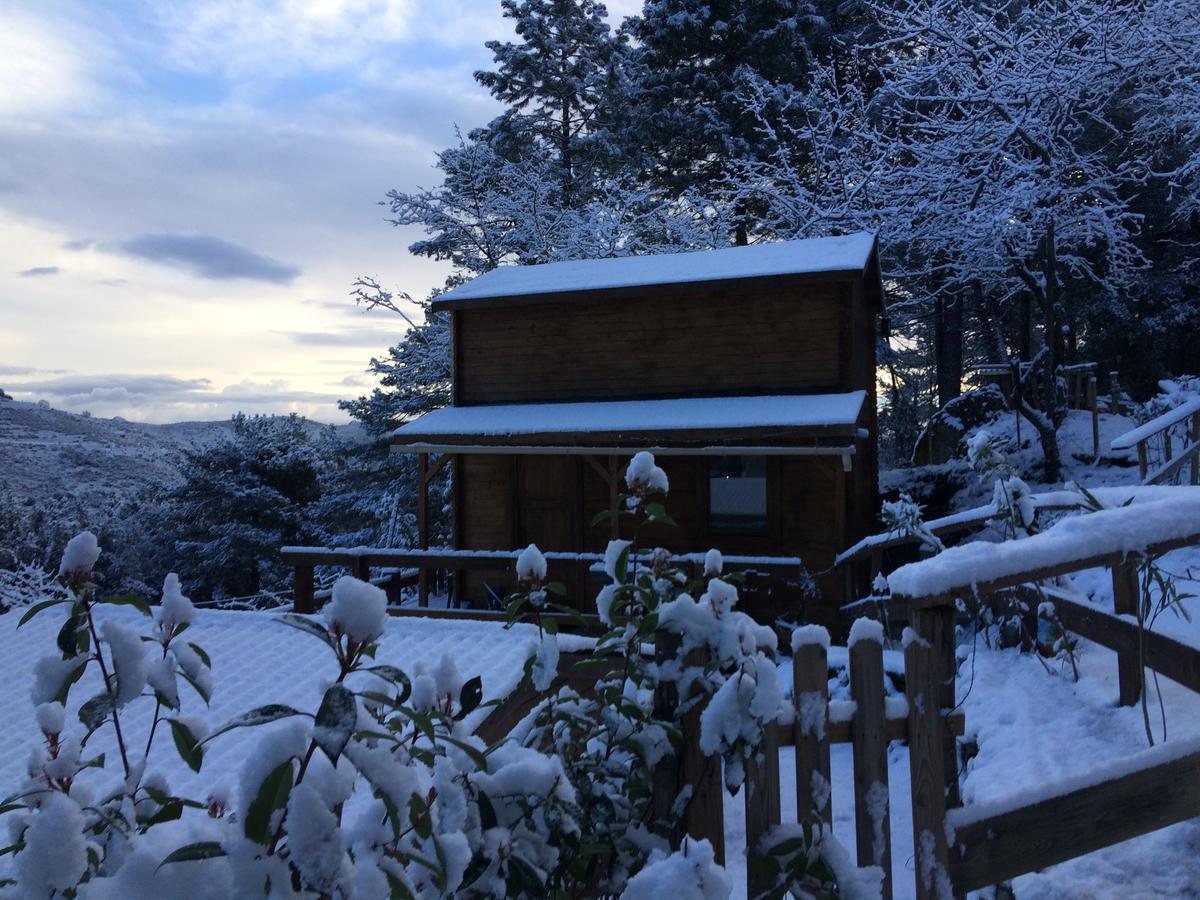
column 871, row 800
column 810, row 694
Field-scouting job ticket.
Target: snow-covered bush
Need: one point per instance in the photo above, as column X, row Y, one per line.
column 383, row 790
column 613, row 738
column 63, row 831
column 25, row 583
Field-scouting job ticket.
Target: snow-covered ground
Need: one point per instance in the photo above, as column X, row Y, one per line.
column 1033, row 724
column 256, row 661
column 96, row 463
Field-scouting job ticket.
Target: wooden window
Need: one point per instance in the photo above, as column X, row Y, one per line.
column 737, row 493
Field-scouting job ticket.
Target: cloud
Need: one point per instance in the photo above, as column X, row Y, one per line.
column 361, row 337
column 38, row 271
column 83, row 387
column 208, row 257
column 81, row 244
column 26, row 370
column 171, row 398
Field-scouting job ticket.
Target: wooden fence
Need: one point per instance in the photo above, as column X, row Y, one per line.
column 970, row 848
column 1159, row 460
column 868, row 722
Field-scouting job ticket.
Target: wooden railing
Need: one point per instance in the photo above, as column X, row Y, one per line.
column 974, row 847
column 395, row 569
column 1079, row 380
column 866, row 559
column 1159, row 460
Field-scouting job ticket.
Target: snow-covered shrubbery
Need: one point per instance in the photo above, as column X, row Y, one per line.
column 383, row 791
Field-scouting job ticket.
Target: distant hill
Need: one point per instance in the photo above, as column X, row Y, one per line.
column 48, row 454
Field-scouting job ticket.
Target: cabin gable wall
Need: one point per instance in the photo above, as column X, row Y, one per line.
column 756, row 339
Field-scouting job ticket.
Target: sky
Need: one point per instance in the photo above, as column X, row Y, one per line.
column 189, row 189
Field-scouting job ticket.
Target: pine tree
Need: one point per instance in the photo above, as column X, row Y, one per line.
column 562, row 85
column 693, row 56
column 241, row 501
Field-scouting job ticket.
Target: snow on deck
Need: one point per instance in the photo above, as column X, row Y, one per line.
column 256, row 661
column 780, row 411
column 849, row 253
column 1127, row 529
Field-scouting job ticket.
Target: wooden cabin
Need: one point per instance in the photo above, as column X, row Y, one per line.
column 749, row 372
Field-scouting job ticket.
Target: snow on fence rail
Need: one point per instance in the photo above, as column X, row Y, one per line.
column 864, row 560
column 1103, row 538
column 1154, row 444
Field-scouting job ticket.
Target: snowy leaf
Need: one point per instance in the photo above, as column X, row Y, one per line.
column 306, row 625
column 68, row 639
column 472, row 693
column 201, row 689
column 37, row 608
column 96, row 711
column 187, row 745
column 272, row 795
column 396, row 677
column 260, row 716
column 127, row 600
column 476, row 756
column 190, row 852
column 199, row 651
column 335, row 721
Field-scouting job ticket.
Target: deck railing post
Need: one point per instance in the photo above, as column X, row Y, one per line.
column 360, row 569
column 1125, row 599
column 930, row 630
column 1094, row 407
column 1195, row 453
column 303, row 589
column 871, row 800
column 810, row 694
column 423, row 525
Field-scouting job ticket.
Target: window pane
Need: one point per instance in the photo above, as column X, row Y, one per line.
column 737, row 493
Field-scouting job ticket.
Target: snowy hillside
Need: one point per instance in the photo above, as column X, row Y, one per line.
column 48, row 454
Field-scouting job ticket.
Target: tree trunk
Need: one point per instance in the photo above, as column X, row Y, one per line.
column 1025, row 337
column 1053, row 353
column 948, row 346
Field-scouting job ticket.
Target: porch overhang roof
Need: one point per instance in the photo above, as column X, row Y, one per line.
column 791, row 424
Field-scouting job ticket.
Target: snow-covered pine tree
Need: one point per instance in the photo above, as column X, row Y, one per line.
column 563, row 84
column 241, row 501
column 692, row 55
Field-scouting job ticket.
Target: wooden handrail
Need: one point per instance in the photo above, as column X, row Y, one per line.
column 445, row 558
column 1178, row 661
column 1159, row 423
column 1098, row 560
column 1063, row 826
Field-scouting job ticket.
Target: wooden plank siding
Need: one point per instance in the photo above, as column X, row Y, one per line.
column 810, row 334
column 761, row 341
column 510, row 501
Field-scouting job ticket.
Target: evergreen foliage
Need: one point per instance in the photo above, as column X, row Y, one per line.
column 241, row 501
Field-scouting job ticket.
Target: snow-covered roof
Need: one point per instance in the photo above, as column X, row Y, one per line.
column 635, row 416
column 848, row 253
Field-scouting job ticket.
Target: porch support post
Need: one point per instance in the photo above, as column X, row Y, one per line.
column 614, row 522
column 423, row 524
